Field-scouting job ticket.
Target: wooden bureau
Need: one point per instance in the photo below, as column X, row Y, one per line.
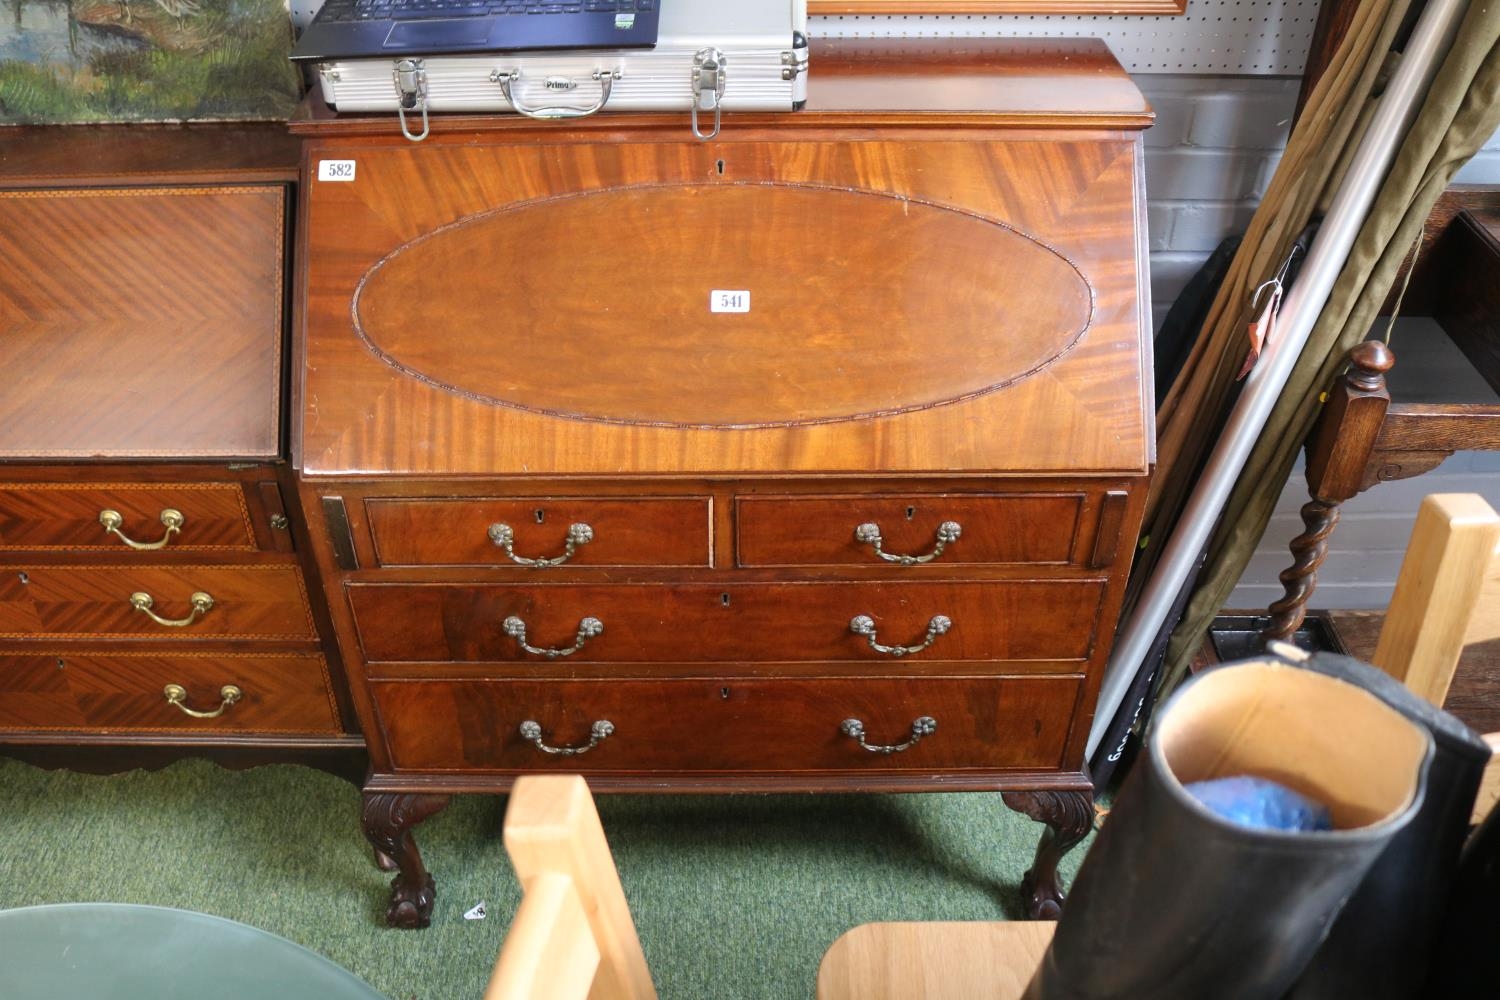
column 153, row 600
column 810, row 457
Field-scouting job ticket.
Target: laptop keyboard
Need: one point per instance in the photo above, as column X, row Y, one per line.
column 386, row 10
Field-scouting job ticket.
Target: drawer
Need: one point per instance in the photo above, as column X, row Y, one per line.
column 71, row 517
column 279, row 692
column 837, row 531
column 697, row 725
column 645, row 531
column 266, row 601
column 655, row 623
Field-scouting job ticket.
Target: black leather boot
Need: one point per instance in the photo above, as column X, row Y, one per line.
column 1174, row 902
column 1464, row 962
column 1381, row 945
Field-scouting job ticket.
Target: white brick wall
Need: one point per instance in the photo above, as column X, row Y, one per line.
column 1209, row 157
column 1484, row 168
column 1366, row 548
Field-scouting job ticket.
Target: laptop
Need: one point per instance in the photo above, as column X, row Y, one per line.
column 372, row 29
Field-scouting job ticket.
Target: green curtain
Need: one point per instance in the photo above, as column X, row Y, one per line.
column 1191, row 414
column 1461, row 111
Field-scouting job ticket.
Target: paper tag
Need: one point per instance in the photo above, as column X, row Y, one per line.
column 729, row 300
column 1260, row 333
column 478, row 912
column 335, row 170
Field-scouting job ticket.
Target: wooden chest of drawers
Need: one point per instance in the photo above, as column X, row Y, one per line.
column 810, row 457
column 152, row 597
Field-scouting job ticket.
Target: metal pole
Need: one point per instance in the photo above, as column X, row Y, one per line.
column 1398, row 107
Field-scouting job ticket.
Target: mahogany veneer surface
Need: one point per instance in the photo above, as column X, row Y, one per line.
column 903, row 377
column 265, row 600
column 812, row 531
column 627, row 531
column 740, row 726
column 65, row 516
column 64, row 689
column 660, row 622
column 147, row 321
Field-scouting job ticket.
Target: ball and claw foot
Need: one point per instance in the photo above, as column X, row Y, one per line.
column 1044, row 899
column 411, row 910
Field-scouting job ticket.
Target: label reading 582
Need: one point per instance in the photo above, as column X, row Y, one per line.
column 722, row 300
column 335, row 170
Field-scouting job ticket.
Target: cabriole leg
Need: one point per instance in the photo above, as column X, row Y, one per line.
column 388, row 819
column 1068, row 816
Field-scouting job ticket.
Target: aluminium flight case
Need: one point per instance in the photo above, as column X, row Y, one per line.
column 711, row 56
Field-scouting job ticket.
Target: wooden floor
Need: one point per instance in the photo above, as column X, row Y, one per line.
column 1475, row 694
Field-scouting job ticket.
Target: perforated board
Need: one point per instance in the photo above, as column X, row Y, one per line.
column 1230, row 37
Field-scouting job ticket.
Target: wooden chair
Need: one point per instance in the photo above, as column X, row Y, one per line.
column 1447, row 595
column 572, row 936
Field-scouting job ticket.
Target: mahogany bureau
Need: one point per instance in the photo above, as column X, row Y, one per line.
column 153, row 601
column 810, row 457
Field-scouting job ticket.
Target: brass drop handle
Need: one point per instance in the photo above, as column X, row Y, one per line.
column 855, row 730
column 201, row 602
column 588, row 628
column 113, row 519
column 869, row 534
column 865, row 625
column 504, row 536
column 177, row 695
column 531, row 730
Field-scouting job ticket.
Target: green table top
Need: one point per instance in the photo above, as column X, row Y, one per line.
column 119, row 951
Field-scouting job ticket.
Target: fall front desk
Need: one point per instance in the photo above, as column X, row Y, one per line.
column 809, row 457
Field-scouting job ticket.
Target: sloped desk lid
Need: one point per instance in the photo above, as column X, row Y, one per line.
column 728, row 306
column 806, row 304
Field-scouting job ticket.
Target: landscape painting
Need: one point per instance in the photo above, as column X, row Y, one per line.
column 145, row 61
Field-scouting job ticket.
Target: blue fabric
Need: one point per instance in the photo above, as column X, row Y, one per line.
column 1261, row 804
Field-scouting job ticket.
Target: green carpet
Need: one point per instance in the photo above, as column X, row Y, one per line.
column 734, row 896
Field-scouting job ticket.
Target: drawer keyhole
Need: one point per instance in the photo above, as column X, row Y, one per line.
column 724, row 600
column 911, row 512
column 719, row 166
column 23, row 576
column 540, row 517
column 724, row 693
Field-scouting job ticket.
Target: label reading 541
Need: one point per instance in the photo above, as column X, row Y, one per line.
column 729, row 300
column 335, row 170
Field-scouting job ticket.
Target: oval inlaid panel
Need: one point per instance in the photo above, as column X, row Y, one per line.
column 722, row 305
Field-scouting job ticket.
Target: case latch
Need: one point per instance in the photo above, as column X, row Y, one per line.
column 708, row 87
column 411, row 93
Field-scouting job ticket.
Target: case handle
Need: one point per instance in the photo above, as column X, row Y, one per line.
column 505, row 78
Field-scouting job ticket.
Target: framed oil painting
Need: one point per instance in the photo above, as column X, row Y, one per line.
column 145, row 61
